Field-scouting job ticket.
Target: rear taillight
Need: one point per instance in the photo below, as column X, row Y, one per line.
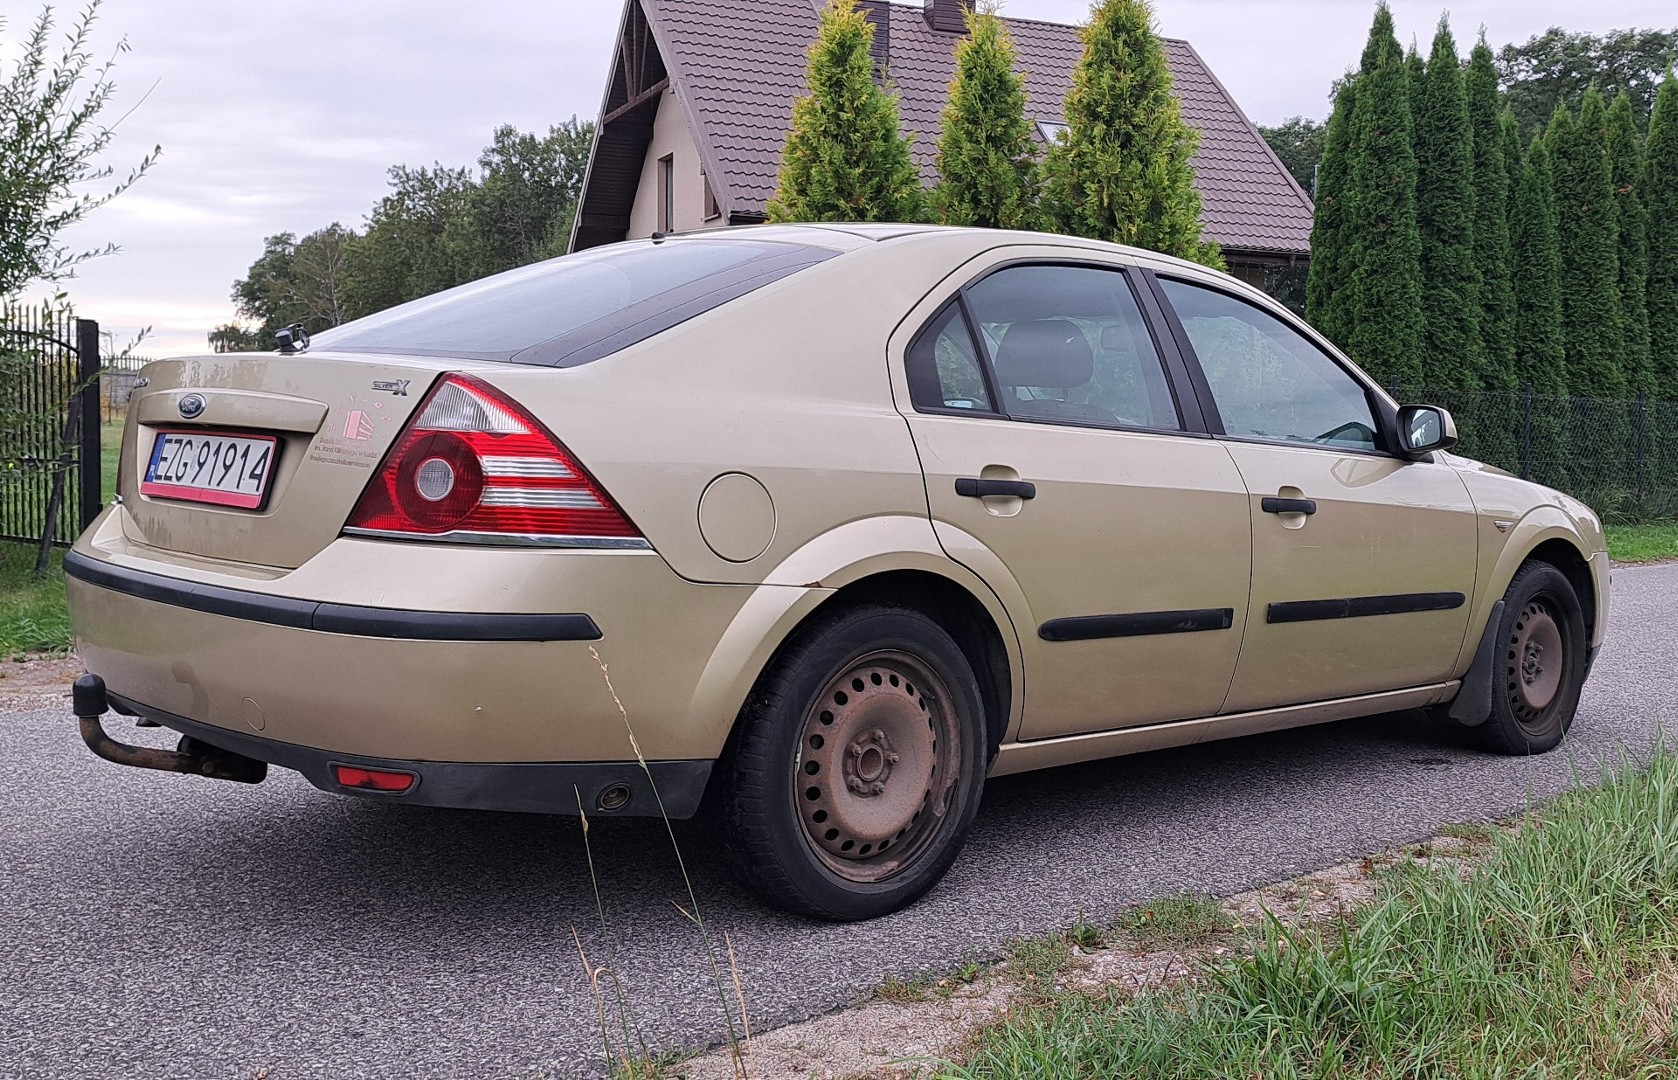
column 474, row 466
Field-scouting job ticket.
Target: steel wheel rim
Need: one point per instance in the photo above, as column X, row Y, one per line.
column 879, row 758
column 1537, row 663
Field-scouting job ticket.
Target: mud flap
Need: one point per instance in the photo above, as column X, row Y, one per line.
column 1473, row 703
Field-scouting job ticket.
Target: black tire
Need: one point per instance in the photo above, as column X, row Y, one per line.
column 836, row 801
column 1541, row 664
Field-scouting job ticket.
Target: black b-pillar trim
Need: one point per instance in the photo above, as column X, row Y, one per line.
column 1139, row 624
column 1356, row 607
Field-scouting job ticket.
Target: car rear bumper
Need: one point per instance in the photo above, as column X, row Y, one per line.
column 429, row 652
column 615, row 788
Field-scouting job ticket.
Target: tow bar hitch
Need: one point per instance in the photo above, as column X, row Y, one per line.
column 88, row 698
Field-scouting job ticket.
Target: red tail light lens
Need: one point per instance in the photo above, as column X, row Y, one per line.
column 393, row 783
column 474, row 466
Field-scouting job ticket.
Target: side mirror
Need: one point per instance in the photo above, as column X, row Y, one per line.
column 1423, row 429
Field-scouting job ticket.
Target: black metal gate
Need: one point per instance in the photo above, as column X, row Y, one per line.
column 50, row 484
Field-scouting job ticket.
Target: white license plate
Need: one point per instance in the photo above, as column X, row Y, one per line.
column 198, row 466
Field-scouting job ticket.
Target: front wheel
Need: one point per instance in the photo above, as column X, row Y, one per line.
column 1540, row 663
column 858, row 766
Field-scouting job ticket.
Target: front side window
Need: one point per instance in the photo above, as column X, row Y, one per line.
column 1067, row 344
column 1268, row 380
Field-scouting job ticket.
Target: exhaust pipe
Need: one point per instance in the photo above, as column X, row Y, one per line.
column 90, row 702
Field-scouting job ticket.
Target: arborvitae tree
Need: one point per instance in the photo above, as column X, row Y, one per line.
column 1625, row 162
column 1417, row 67
column 1122, row 172
column 1492, row 193
column 1535, row 240
column 1592, row 320
column 1445, row 208
column 1509, row 130
column 1385, row 254
column 1327, row 296
column 987, row 163
column 1540, row 351
column 845, row 158
column 1660, row 186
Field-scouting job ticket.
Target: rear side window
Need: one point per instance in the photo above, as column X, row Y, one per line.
column 581, row 307
column 1068, row 345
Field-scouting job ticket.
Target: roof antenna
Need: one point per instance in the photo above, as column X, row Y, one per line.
column 658, row 237
column 292, row 339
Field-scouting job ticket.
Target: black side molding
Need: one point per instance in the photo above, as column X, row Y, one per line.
column 1356, row 607
column 330, row 618
column 1140, row 624
column 974, row 488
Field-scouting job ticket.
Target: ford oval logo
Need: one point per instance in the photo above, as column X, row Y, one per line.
column 192, row 405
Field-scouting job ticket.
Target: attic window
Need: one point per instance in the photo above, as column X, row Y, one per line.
column 1052, row 131
column 712, row 210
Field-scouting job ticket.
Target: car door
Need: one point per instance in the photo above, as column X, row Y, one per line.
column 1060, row 469
column 1362, row 560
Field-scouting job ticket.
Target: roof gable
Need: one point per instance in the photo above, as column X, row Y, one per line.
column 738, row 65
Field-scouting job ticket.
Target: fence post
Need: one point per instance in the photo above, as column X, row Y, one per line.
column 87, row 373
column 1526, row 434
column 1642, row 440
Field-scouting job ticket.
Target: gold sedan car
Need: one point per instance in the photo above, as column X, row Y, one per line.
column 821, row 525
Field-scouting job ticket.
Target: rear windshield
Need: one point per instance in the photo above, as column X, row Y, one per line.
column 572, row 310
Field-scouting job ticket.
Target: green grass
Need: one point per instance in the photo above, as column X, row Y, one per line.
column 1556, row 956
column 33, row 617
column 1177, row 922
column 110, row 444
column 1643, row 543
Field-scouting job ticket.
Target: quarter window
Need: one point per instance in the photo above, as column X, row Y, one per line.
column 1067, row 344
column 1268, row 380
column 944, row 370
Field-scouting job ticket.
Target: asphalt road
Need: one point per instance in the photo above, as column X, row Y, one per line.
column 155, row 925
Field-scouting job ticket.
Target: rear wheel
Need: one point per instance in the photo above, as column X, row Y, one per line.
column 858, row 767
column 1540, row 666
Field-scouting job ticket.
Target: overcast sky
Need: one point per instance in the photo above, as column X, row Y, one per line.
column 284, row 115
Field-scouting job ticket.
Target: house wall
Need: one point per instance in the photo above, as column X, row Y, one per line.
column 671, row 137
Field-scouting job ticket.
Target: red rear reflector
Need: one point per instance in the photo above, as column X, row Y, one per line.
column 374, row 779
column 473, row 465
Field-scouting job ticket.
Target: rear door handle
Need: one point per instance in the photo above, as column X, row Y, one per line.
column 1273, row 505
column 974, row 488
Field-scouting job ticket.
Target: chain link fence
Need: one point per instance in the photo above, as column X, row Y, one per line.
column 1618, row 455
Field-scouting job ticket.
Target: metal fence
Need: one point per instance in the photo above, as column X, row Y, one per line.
column 49, row 424
column 117, row 379
column 1618, row 455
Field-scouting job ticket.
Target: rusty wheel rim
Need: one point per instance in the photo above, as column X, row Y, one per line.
column 1537, row 662
column 878, row 760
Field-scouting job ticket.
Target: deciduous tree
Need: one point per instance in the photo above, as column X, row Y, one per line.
column 1300, row 143
column 1123, row 171
column 1558, row 66
column 53, row 168
column 845, row 158
column 987, row 163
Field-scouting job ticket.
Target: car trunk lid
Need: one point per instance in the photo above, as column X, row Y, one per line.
column 332, row 418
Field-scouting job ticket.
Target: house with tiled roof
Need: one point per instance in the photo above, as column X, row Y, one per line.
column 699, row 102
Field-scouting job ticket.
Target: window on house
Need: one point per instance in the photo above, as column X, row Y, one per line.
column 1051, row 131
column 667, row 193
column 712, row 210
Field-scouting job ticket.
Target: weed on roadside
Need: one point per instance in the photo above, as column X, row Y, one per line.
column 1177, row 922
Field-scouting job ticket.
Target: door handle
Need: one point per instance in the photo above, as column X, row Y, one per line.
column 1273, row 505
column 973, row 487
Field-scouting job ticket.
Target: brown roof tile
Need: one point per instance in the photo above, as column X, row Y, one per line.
column 740, row 64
